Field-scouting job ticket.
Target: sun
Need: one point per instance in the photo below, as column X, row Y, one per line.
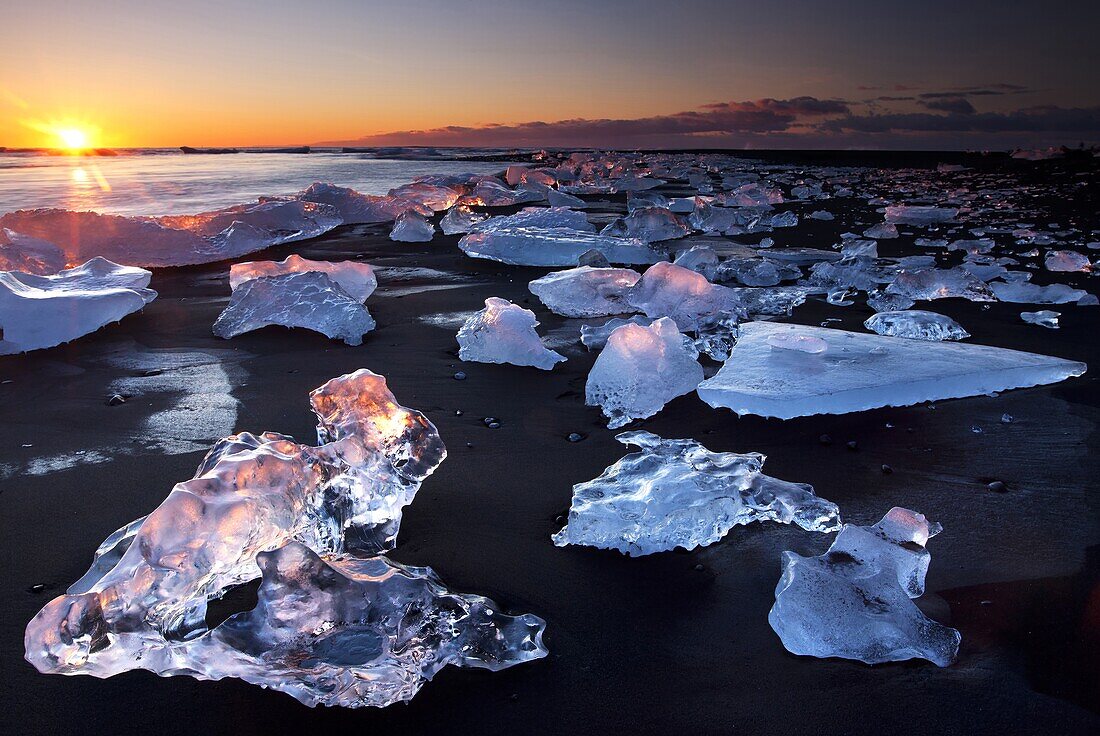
column 73, row 139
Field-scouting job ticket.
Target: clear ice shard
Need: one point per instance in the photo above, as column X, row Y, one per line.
column 916, row 324
column 25, row 254
column 335, row 623
column 1067, row 260
column 668, row 290
column 855, row 601
column 561, row 199
column 649, row 224
column 902, row 214
column 355, row 208
column 459, row 220
column 412, row 228
column 940, row 283
column 354, row 277
column 677, row 493
column 594, row 337
column 586, row 291
column 859, row 371
column 504, row 333
column 309, row 299
column 1043, row 318
column 177, row 240
column 43, row 311
column 640, row 370
column 554, row 247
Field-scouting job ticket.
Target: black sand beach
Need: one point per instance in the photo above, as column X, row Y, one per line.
column 669, row 643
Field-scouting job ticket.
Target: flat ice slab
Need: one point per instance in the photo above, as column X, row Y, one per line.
column 858, row 371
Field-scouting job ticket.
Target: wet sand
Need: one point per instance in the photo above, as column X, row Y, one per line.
column 648, row 645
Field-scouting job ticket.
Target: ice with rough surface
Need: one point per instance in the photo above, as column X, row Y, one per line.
column 668, row 290
column 917, row 325
column 1067, row 260
column 903, row 214
column 940, row 283
column 649, row 224
column 859, row 371
column 43, row 311
column 594, row 337
column 412, row 228
column 585, row 291
column 555, row 247
column 355, row 208
column 503, row 332
column 309, row 299
column 855, row 601
column 354, row 277
column 677, row 493
column 640, row 370
column 25, row 254
column 459, row 220
column 701, row 259
column 328, row 628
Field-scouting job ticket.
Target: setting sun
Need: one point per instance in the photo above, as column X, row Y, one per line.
column 74, row 139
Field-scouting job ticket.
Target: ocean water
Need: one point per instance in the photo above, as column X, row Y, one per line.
column 163, row 182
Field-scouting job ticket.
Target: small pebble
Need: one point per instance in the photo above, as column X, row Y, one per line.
column 852, row 445
column 825, row 439
column 997, row 486
column 575, row 437
column 1006, row 419
column 886, row 469
column 116, row 399
column 38, row 588
column 976, row 429
column 469, row 444
column 460, row 376
column 699, row 568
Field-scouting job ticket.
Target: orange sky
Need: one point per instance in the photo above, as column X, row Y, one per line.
column 249, row 73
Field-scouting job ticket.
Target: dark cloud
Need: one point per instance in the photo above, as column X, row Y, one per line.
column 958, row 105
column 1049, row 118
column 716, row 119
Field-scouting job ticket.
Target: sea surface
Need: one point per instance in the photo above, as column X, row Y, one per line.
column 165, row 181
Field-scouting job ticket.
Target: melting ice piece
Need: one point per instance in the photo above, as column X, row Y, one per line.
column 435, row 197
column 561, row 199
column 677, row 493
column 354, row 277
column 177, row 240
column 649, row 224
column 412, row 228
column 42, row 311
column 940, row 283
column 640, row 370
column 505, row 333
column 1067, row 260
column 855, row 601
column 903, row 214
column 25, row 254
column 668, row 290
column 916, row 324
column 1021, row 292
column 309, row 299
column 356, row 208
column 586, row 291
column 701, row 259
column 459, row 219
column 327, row 629
column 557, row 247
column 594, row 337
column 1043, row 318
column 881, row 231
column 860, row 371
column 539, row 218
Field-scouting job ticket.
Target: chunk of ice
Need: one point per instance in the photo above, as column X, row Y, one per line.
column 1043, row 318
column 555, row 247
column 25, row 254
column 677, row 493
column 940, row 283
column 412, row 228
column 881, row 231
column 505, row 333
column 354, row 277
column 594, row 337
column 1067, row 260
column 1021, row 292
column 586, row 291
column 855, row 601
column 649, row 224
column 908, row 214
column 310, row 299
column 459, row 219
column 640, row 370
column 860, row 371
column 43, row 311
column 355, row 208
column 917, row 325
column 668, row 290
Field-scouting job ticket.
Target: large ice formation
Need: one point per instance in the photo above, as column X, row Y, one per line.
column 916, row 324
column 333, row 624
column 586, row 291
column 668, row 290
column 554, row 247
column 640, row 370
column 677, row 493
column 176, row 240
column 855, row 601
column 354, row 277
column 42, row 311
column 309, row 299
column 859, row 371
column 504, row 333
column 355, row 208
